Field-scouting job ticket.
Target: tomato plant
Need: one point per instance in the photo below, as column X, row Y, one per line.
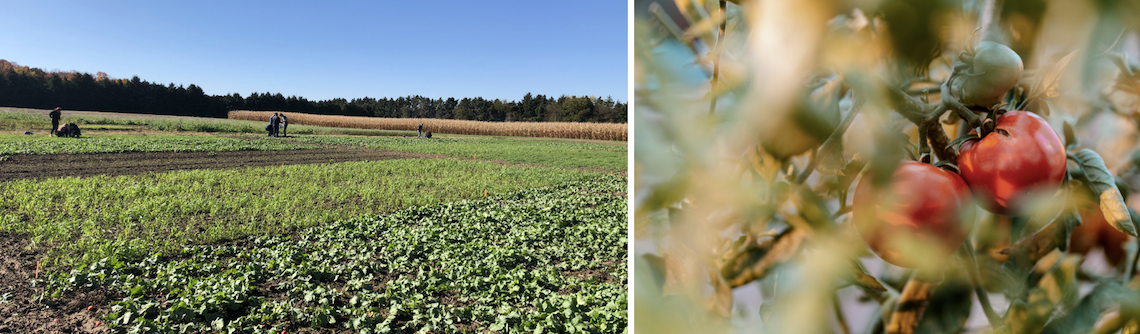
column 886, row 167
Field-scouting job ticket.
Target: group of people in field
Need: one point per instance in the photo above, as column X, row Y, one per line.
column 66, row 130
column 278, row 125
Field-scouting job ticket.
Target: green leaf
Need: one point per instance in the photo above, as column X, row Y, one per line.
column 1103, row 183
column 847, row 175
column 949, row 306
column 1070, row 137
column 814, row 210
column 1080, row 319
column 858, row 275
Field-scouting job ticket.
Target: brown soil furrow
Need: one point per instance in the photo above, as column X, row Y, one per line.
column 61, row 165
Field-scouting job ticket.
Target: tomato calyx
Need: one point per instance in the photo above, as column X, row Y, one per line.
column 947, row 165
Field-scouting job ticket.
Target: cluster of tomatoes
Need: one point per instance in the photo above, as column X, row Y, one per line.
column 1004, row 171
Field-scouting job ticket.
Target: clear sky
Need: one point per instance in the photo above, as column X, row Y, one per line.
column 328, row 49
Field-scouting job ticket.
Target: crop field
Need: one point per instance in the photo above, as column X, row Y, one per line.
column 537, row 260
column 86, row 219
column 596, row 131
column 194, row 232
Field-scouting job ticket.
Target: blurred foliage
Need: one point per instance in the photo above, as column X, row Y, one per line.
column 744, row 184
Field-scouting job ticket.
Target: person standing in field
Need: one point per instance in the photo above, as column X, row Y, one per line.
column 273, row 124
column 420, row 131
column 284, row 125
column 54, row 114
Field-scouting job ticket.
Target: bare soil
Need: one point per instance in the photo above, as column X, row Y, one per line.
column 60, row 165
column 20, row 313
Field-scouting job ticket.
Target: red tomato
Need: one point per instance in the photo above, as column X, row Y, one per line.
column 923, row 205
column 1021, row 159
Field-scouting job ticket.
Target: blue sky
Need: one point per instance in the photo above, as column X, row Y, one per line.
column 329, row 49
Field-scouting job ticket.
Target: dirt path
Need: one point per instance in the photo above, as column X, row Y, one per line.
column 59, row 165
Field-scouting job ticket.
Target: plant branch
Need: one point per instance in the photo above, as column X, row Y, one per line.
column 716, row 60
column 921, row 113
column 976, row 281
column 839, row 315
column 951, row 103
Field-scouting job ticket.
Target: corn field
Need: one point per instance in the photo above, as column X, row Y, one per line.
column 594, row 131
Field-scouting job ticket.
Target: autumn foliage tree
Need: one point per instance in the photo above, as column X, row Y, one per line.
column 22, row 86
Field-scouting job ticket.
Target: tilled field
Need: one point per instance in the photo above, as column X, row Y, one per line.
column 17, row 270
column 60, row 165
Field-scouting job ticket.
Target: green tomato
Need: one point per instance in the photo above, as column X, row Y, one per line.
column 994, row 70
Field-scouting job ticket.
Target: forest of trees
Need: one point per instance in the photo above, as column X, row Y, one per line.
column 29, row 87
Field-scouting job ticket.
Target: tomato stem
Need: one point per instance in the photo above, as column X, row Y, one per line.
column 976, row 281
column 952, row 103
column 1130, row 270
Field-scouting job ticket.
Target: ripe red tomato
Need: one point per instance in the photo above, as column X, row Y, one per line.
column 923, row 206
column 1021, row 159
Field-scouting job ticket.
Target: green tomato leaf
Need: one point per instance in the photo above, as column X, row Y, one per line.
column 1102, row 183
column 1052, row 236
column 858, row 275
column 949, row 306
column 814, row 210
column 844, row 177
column 1070, row 137
column 1082, row 317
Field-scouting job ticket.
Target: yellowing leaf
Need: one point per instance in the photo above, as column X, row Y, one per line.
column 1115, row 212
column 913, row 300
column 1101, row 182
column 755, row 263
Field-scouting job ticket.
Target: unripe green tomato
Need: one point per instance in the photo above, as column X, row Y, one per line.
column 995, row 70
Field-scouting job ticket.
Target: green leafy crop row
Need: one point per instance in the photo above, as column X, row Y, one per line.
column 541, row 152
column 85, row 219
column 540, row 260
column 23, row 144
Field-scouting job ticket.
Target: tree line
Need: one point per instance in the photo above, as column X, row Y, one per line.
column 29, row 87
